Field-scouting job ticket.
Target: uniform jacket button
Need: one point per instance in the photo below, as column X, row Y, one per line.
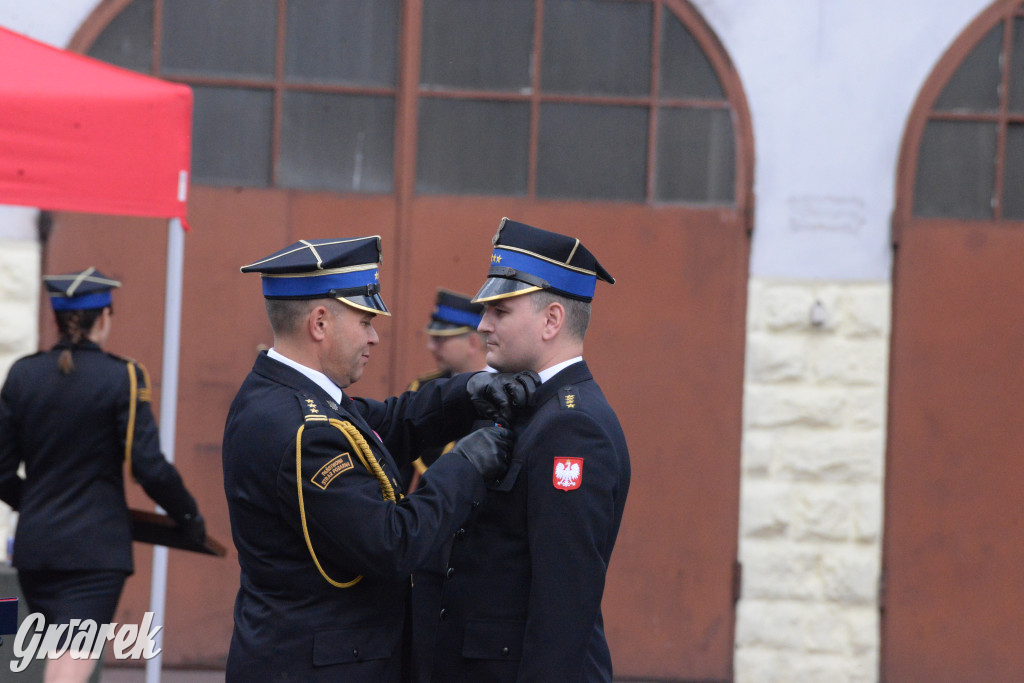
column 355, row 653
column 504, row 652
column 460, row 534
column 443, row 614
column 451, row 572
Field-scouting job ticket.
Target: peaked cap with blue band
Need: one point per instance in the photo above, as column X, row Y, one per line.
column 527, row 259
column 453, row 314
column 344, row 269
column 80, row 291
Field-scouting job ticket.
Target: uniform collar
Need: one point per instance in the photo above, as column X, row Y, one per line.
column 85, row 344
column 315, row 376
column 572, row 373
column 548, row 373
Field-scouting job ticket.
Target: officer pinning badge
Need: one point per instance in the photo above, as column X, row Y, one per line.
column 568, row 474
column 568, row 398
column 335, row 466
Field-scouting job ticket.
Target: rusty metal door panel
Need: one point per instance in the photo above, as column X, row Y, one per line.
column 954, row 529
column 666, row 343
column 223, row 327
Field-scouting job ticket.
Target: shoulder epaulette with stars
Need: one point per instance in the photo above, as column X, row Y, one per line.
column 424, row 378
column 568, row 398
column 311, row 410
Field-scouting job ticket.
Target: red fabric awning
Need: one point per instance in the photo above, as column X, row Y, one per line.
column 77, row 134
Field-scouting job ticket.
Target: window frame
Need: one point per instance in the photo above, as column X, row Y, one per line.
column 407, row 93
column 924, row 111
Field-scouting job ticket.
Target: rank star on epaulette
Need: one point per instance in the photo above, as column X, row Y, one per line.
column 568, row 398
column 311, row 411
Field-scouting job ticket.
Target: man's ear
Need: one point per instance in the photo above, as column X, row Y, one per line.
column 317, row 322
column 554, row 318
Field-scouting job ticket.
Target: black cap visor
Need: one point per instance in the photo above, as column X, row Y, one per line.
column 502, row 288
column 371, row 303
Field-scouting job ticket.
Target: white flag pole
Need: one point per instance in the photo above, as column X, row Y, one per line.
column 168, row 419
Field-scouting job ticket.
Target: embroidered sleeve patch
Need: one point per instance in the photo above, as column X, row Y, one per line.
column 568, row 474
column 326, row 474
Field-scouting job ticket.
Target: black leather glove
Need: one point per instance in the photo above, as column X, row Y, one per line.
column 499, row 395
column 193, row 526
column 488, row 449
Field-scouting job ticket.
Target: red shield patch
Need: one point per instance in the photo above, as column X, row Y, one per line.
column 568, row 474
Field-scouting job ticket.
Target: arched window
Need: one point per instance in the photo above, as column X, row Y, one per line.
column 970, row 162
column 297, row 94
column 573, row 99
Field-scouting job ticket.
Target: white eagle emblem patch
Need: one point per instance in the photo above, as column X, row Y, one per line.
column 568, row 474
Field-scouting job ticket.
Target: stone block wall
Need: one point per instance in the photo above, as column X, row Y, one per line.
column 19, row 326
column 815, row 402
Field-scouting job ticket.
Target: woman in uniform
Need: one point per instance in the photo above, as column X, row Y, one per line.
column 77, row 417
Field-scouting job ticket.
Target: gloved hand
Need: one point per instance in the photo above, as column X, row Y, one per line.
column 193, row 526
column 488, row 449
column 497, row 396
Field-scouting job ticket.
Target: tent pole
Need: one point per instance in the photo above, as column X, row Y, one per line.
column 168, row 419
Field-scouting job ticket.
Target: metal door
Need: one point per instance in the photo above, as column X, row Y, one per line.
column 954, row 528
column 666, row 343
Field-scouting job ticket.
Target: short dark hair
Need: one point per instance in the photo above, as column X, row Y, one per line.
column 577, row 313
column 286, row 315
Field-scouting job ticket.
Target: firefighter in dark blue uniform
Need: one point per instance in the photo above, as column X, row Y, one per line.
column 522, row 596
column 457, row 347
column 326, row 539
column 77, row 416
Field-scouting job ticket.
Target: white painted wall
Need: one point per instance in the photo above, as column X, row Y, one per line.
column 830, row 84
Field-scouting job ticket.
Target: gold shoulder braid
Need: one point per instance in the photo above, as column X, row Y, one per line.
column 133, row 395
column 365, row 455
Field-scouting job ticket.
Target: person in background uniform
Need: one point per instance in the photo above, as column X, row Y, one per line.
column 522, row 595
column 457, row 347
column 74, row 415
column 326, row 539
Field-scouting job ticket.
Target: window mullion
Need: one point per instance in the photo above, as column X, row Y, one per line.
column 538, row 36
column 652, row 127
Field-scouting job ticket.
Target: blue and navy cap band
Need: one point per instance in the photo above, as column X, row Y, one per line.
column 572, row 281
column 456, row 316
column 81, row 302
column 313, row 285
column 80, row 291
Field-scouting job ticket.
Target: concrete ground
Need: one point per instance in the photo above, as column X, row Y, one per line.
column 138, row 675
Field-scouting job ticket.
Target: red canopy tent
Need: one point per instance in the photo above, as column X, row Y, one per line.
column 77, row 134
